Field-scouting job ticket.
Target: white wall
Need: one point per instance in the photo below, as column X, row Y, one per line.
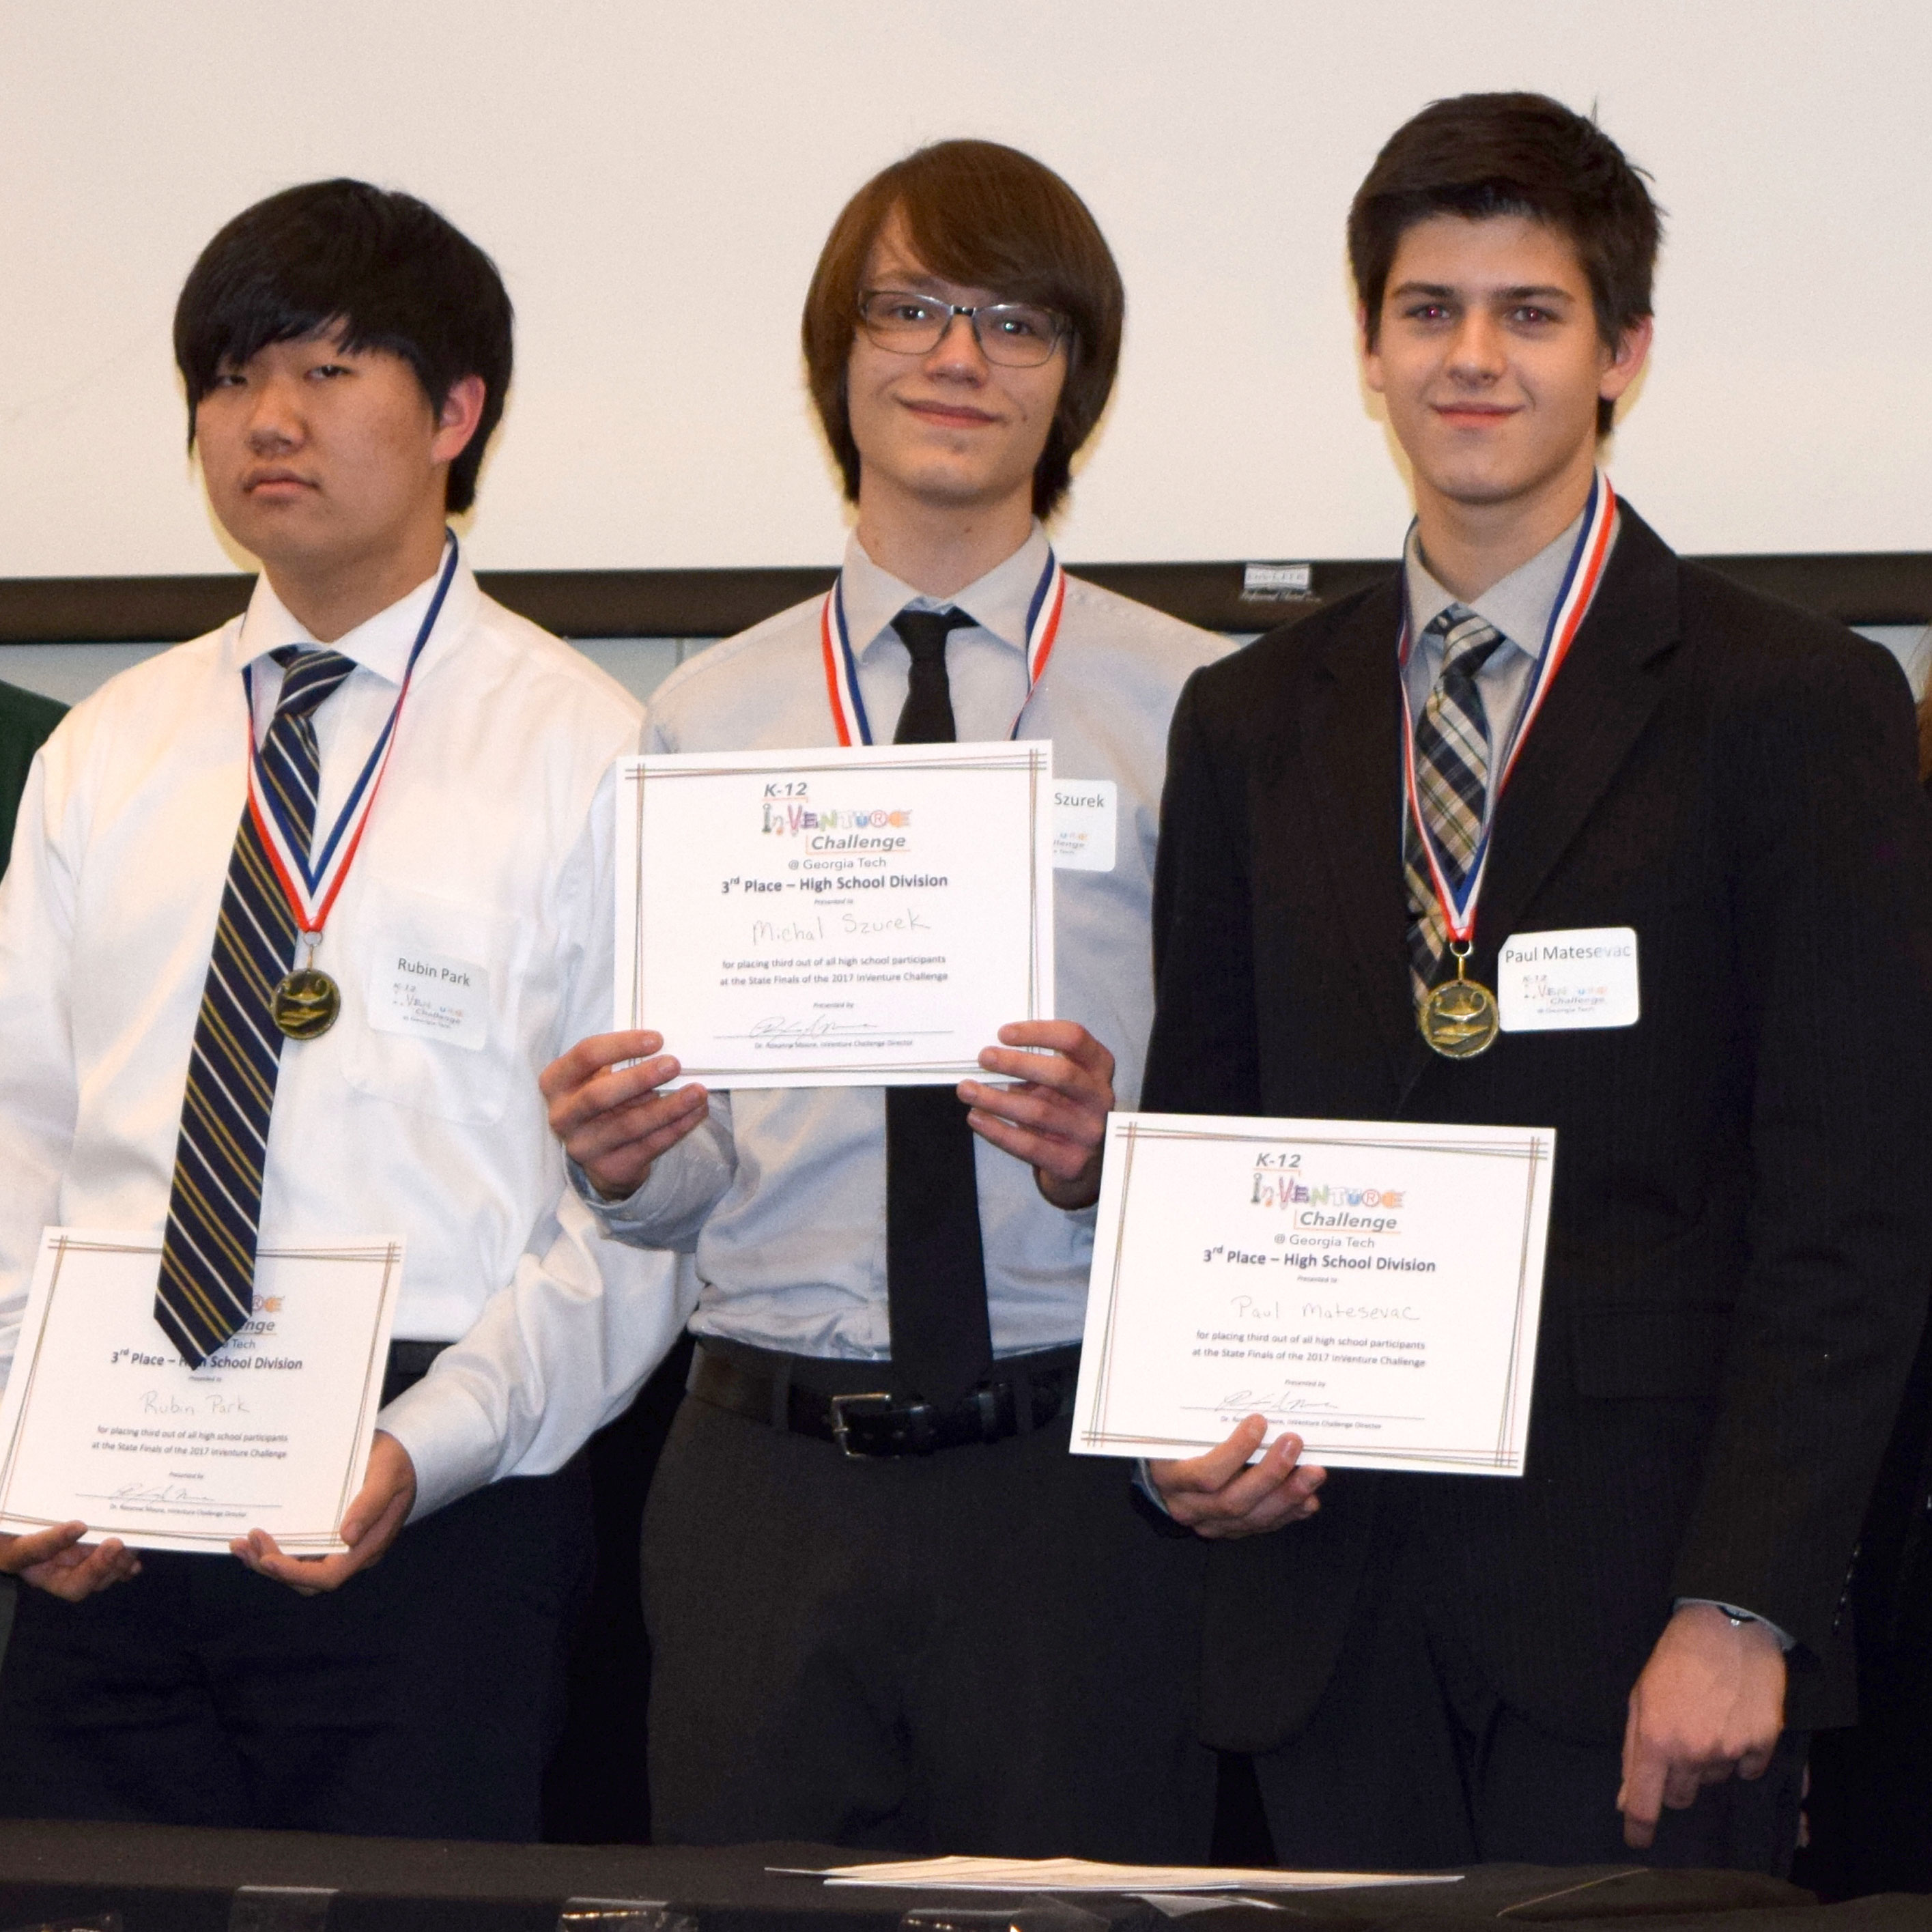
column 626, row 162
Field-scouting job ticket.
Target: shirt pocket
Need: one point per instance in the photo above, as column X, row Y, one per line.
column 436, row 994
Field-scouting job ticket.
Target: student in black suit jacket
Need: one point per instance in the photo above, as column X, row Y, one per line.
column 1437, row 1669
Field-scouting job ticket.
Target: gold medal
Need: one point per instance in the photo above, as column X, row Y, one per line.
column 1459, row 1018
column 305, row 1003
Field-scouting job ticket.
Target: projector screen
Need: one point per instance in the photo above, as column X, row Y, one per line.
column 632, row 166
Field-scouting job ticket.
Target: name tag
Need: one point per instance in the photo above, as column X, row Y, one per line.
column 429, row 996
column 1546, row 982
column 1083, row 825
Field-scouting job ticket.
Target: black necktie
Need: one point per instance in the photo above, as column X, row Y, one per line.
column 935, row 1271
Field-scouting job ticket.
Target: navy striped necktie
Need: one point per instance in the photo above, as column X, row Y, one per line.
column 206, row 1290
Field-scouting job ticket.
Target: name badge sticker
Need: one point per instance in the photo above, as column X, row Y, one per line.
column 429, row 996
column 1550, row 981
column 1083, row 812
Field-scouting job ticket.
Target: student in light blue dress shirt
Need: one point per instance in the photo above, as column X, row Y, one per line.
column 953, row 1635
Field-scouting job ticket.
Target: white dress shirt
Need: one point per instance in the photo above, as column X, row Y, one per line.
column 489, row 843
column 782, row 1193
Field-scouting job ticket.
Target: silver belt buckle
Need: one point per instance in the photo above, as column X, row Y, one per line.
column 839, row 1431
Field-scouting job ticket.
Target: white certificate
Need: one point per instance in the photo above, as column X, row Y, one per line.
column 104, row 1423
column 1373, row 1287
column 868, row 917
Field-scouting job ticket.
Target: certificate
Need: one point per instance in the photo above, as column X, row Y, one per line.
column 103, row 1423
column 863, row 917
column 1373, row 1287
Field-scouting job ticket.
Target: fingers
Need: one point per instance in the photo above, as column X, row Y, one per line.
column 79, row 1570
column 306, row 1575
column 373, row 1521
column 1067, row 1038
column 19, row 1554
column 598, row 1054
column 610, row 1117
column 1641, row 1797
column 389, row 1492
column 1219, row 1495
column 1055, row 1118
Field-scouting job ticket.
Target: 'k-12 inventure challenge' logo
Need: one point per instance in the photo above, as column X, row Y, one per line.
column 1277, row 1183
column 789, row 814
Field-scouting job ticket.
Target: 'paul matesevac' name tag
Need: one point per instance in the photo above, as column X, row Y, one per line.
column 429, row 996
column 1083, row 825
column 1549, row 981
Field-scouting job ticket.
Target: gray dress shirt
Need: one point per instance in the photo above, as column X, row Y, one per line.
column 781, row 1195
column 1520, row 607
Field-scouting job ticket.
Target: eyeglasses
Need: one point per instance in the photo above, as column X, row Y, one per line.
column 1022, row 335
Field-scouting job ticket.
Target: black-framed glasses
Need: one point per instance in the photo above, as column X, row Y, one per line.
column 1022, row 335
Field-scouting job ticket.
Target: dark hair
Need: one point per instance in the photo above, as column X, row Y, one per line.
column 384, row 267
column 1482, row 154
column 992, row 217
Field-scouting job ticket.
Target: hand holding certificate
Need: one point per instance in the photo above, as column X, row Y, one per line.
column 1373, row 1288
column 862, row 917
column 103, row 1423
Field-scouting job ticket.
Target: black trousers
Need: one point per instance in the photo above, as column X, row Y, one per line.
column 1412, row 1762
column 421, row 1700
column 985, row 1650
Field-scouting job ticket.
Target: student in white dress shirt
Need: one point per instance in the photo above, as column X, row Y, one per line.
column 345, row 352
column 954, row 1635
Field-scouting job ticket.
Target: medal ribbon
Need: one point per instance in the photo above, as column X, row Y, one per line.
column 1580, row 579
column 310, row 890
column 841, row 668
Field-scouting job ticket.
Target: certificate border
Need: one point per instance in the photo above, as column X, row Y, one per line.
column 390, row 1253
column 1030, row 755
column 1534, row 1152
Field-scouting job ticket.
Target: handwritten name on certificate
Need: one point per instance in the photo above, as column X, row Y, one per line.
column 1373, row 1288
column 863, row 917
column 104, row 1423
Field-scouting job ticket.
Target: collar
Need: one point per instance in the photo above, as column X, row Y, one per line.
column 1519, row 606
column 381, row 643
column 996, row 602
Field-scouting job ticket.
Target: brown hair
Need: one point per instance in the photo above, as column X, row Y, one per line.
column 992, row 217
column 1925, row 738
column 1483, row 154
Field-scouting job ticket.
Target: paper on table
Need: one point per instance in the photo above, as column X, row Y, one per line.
column 972, row 1874
column 868, row 917
column 1375, row 1287
column 103, row 1423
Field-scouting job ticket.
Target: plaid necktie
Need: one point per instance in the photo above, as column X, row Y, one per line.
column 935, row 1266
column 1452, row 778
column 206, row 1290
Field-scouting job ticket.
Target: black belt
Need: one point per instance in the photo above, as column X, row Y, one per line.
column 866, row 1423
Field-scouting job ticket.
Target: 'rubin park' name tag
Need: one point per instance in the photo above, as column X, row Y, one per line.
column 429, row 996
column 1546, row 982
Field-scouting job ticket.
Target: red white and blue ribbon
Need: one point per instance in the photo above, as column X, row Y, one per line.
column 841, row 667
column 311, row 886
column 1581, row 578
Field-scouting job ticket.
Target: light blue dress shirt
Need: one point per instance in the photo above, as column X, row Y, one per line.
column 780, row 1195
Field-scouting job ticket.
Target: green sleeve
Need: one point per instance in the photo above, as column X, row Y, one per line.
column 26, row 718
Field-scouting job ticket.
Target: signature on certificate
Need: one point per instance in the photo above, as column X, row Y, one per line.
column 818, row 1027
column 1274, row 1402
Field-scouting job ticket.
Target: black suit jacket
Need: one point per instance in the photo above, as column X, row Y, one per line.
column 1741, row 1227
